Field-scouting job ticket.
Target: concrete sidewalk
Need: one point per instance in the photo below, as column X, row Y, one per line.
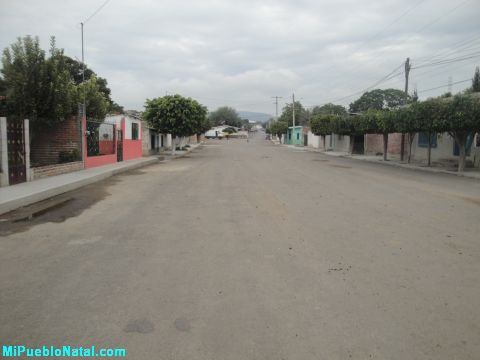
column 15, row 196
column 392, row 161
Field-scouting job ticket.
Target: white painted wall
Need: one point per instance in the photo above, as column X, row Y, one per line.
column 443, row 151
column 117, row 119
column 314, row 140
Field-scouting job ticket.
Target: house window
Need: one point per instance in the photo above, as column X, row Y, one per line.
column 423, row 139
column 298, row 136
column 134, row 131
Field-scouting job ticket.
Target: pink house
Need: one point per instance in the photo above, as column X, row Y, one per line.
column 118, row 138
column 129, row 135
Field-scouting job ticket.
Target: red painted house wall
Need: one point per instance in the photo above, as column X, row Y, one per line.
column 132, row 149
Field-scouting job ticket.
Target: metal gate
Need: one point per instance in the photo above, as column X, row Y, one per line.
column 119, row 145
column 17, row 170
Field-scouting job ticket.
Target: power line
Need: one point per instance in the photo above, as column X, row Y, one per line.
column 382, row 30
column 419, row 31
column 389, row 76
column 96, row 11
column 449, row 61
column 445, row 85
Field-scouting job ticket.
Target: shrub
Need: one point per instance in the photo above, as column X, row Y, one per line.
column 69, row 156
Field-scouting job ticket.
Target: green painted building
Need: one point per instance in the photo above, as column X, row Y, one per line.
column 295, row 135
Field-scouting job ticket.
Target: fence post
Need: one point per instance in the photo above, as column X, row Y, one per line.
column 4, row 152
column 26, row 139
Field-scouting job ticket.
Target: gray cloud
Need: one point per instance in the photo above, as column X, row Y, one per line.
column 242, row 53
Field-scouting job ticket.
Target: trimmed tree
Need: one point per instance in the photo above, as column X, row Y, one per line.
column 322, row 125
column 427, row 115
column 279, row 128
column 406, row 123
column 175, row 115
column 460, row 116
column 386, row 124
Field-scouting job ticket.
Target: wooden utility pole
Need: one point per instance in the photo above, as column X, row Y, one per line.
column 407, row 72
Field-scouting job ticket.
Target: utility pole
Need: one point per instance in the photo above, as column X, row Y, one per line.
column 293, row 109
column 276, row 105
column 84, row 106
column 407, row 73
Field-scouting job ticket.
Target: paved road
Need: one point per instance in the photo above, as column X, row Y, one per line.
column 252, row 251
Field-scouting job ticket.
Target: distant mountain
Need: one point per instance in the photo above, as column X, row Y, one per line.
column 254, row 116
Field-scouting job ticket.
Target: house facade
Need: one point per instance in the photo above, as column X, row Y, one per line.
column 129, row 134
column 295, row 135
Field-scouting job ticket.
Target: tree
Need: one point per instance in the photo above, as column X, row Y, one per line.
column 75, row 69
column 279, row 128
column 301, row 115
column 225, row 116
column 95, row 102
column 386, row 120
column 460, row 116
column 427, row 117
column 35, row 87
column 59, row 92
column 330, row 109
column 22, row 68
column 407, row 123
column 476, row 80
column 175, row 115
column 48, row 90
column 323, row 125
column 379, row 99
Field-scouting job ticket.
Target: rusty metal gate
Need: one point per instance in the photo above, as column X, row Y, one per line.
column 17, row 170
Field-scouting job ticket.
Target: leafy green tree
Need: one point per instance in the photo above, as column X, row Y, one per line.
column 428, row 117
column 386, row 124
column 407, row 123
column 329, row 109
column 75, row 69
column 279, row 128
column 58, row 89
column 175, row 115
column 476, row 80
column 225, row 116
column 460, row 116
column 301, row 115
column 379, row 99
column 22, row 71
column 48, row 90
column 323, row 125
column 95, row 102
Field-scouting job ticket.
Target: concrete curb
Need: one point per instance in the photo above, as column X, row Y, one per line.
column 30, row 196
column 55, row 189
column 416, row 168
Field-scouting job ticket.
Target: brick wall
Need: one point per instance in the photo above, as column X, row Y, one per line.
column 45, row 145
column 375, row 144
column 52, row 170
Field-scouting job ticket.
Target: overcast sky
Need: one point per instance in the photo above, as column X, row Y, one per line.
column 241, row 53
